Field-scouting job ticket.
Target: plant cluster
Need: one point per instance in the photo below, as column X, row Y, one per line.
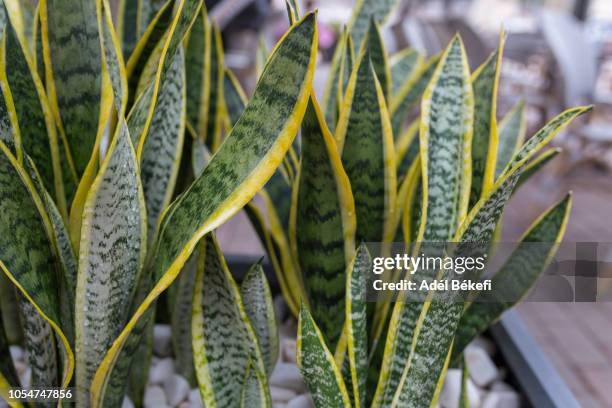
column 122, row 149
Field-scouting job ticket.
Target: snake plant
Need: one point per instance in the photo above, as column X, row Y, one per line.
column 122, row 149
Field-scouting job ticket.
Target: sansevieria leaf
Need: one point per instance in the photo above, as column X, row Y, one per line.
column 378, row 55
column 323, row 223
column 224, row 342
column 254, row 393
column 71, row 43
column 356, row 322
column 133, row 17
column 365, row 143
column 234, row 98
column 260, row 139
column 534, row 166
column 513, row 281
column 363, row 12
column 512, row 130
column 258, row 305
column 112, row 250
column 319, row 370
column 7, row 369
column 403, row 65
column 27, row 258
column 339, row 73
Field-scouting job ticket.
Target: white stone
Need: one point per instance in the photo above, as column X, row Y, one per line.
column 154, row 397
column 127, row 402
column 20, row 367
column 289, row 350
column 484, row 343
column 480, row 366
column 286, row 375
column 279, row 405
column 17, row 353
column 176, row 388
column 162, row 370
column 195, row 399
column 162, row 340
column 301, row 401
column 451, row 390
column 26, row 378
column 501, row 386
column 501, row 399
column 281, row 394
column 184, row 404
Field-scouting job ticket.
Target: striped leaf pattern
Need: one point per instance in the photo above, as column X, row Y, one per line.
column 71, row 43
column 366, row 145
column 113, row 243
column 224, row 342
column 340, row 70
column 403, row 65
column 254, row 394
column 317, row 365
column 512, row 130
column 8, row 131
column 378, row 56
column 517, row 275
column 233, row 97
column 363, row 12
column 258, row 305
column 163, row 146
column 260, row 138
column 536, row 164
column 197, row 65
column 356, row 322
column 324, row 219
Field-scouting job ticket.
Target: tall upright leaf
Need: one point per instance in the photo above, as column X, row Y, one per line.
column 363, row 12
column 366, row 145
column 403, row 65
column 226, row 185
column 233, row 97
column 224, row 341
column 378, row 55
column 323, row 223
column 254, row 393
column 112, row 250
column 133, row 17
column 340, row 70
column 319, row 370
column 512, row 130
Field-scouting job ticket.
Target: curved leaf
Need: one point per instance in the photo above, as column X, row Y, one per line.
column 323, row 223
column 254, row 394
column 319, row 370
column 340, row 70
column 512, row 130
column 133, row 17
column 403, row 65
column 258, row 305
column 536, row 164
column 366, row 145
column 233, row 97
column 260, row 139
column 113, row 242
column 224, row 342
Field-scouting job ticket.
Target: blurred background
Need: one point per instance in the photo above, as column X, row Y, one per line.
column 558, row 55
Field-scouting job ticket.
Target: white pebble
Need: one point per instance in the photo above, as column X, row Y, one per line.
column 451, row 390
column 17, row 353
column 162, row 370
column 501, row 386
column 281, row 394
column 127, row 402
column 162, row 340
column 501, row 399
column 279, row 405
column 154, row 397
column 26, row 378
column 480, row 366
column 195, row 399
column 20, row 367
column 286, row 375
column 184, row 404
column 289, row 350
column 176, row 388
column 301, row 401
column 484, row 343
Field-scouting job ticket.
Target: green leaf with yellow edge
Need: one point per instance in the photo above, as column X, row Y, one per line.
column 378, row 56
column 517, row 276
column 259, row 307
column 214, row 124
column 356, row 323
column 340, row 70
column 71, row 43
column 536, row 164
column 224, row 342
column 323, row 223
column 410, row 93
column 319, row 370
column 226, row 185
column 485, row 82
column 363, row 12
column 112, row 251
column 28, row 259
column 133, row 18
column 9, row 128
column 7, row 368
column 407, row 149
column 35, row 121
column 234, row 98
column 403, row 65
column 512, row 130
column 365, row 143
column 254, row 393
column 161, row 154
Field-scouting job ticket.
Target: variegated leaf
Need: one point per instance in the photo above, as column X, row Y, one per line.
column 224, row 342
column 536, row 164
column 254, row 394
column 258, row 305
column 211, row 130
column 378, row 56
column 133, row 18
column 71, row 43
column 233, row 96
column 403, row 65
column 407, row 148
column 356, row 323
column 260, row 138
column 9, row 130
column 512, row 130
column 366, row 145
column 112, row 250
column 163, row 146
column 363, row 12
column 339, row 73
column 517, row 275
column 323, row 223
column 485, row 82
column 7, row 368
column 318, row 367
